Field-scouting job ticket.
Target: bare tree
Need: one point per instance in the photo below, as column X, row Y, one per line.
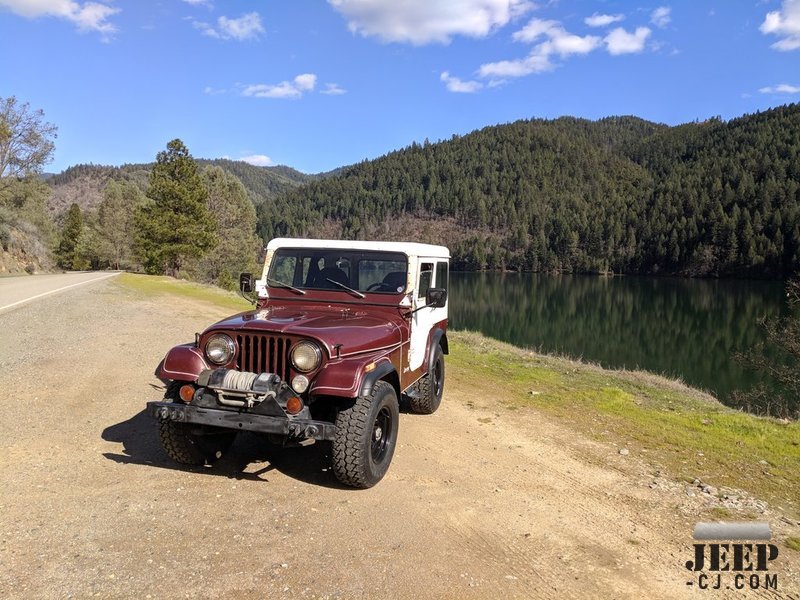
column 26, row 139
column 784, row 335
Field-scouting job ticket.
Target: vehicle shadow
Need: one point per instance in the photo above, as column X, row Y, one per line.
column 243, row 461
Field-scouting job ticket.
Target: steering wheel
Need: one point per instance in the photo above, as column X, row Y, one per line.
column 375, row 286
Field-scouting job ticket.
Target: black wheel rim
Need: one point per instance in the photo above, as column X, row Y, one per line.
column 438, row 379
column 381, row 434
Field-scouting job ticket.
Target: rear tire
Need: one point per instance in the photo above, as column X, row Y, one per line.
column 430, row 387
column 191, row 444
column 366, row 436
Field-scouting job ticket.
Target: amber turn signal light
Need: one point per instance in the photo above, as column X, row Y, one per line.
column 186, row 393
column 294, row 405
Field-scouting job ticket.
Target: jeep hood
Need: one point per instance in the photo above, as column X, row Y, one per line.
column 353, row 330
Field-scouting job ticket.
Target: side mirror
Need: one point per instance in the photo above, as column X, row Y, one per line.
column 436, row 297
column 246, row 282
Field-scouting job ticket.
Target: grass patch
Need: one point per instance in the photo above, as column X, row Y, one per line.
column 152, row 286
column 721, row 513
column 687, row 431
column 793, row 543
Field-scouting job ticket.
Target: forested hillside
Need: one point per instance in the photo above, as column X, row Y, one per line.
column 569, row 195
column 85, row 184
column 620, row 195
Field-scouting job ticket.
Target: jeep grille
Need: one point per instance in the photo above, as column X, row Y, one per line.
column 263, row 354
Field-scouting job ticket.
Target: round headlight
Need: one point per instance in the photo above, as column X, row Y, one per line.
column 306, row 357
column 300, row 383
column 220, row 349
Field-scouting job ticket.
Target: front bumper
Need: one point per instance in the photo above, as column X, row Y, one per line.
column 242, row 421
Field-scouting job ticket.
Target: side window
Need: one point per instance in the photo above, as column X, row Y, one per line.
column 425, row 279
column 441, row 275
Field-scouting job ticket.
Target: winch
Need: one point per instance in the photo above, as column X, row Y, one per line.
column 240, row 388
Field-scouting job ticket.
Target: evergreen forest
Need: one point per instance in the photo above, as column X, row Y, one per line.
column 618, row 195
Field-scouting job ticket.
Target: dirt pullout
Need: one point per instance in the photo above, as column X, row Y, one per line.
column 479, row 502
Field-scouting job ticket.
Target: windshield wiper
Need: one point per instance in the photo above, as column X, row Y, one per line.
column 343, row 286
column 285, row 285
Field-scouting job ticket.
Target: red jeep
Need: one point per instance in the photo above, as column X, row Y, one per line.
column 341, row 331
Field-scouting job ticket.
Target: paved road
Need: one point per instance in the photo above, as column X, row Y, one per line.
column 19, row 290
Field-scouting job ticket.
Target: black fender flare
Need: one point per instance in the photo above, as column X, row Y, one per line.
column 383, row 369
column 438, row 338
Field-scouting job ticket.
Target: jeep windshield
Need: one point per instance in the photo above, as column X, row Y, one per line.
column 347, row 271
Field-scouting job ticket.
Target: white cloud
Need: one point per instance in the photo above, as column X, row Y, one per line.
column 620, row 41
column 564, row 43
column 534, row 63
column 660, row 17
column 88, row 16
column 559, row 41
column 285, row 89
column 556, row 41
column 211, row 91
column 784, row 23
column 787, row 44
column 199, row 3
column 535, row 29
column 421, row 22
column 597, row 20
column 206, row 29
column 246, row 27
column 333, row 89
column 257, row 160
column 305, row 82
column 783, row 88
column 454, row 84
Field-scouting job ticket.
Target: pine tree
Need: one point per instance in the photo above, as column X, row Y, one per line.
column 116, row 224
column 73, row 226
column 235, row 218
column 175, row 224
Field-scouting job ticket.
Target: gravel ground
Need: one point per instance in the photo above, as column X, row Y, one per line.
column 477, row 504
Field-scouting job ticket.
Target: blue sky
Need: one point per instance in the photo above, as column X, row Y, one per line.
column 317, row 85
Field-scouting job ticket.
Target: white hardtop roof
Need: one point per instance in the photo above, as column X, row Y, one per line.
column 408, row 248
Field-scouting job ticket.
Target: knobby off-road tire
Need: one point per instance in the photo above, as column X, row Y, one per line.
column 191, row 444
column 366, row 435
column 430, row 387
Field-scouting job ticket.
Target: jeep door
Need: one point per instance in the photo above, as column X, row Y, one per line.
column 431, row 272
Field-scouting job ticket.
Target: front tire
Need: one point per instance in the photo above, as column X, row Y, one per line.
column 190, row 444
column 366, row 436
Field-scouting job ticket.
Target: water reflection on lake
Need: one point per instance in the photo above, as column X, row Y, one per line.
column 685, row 328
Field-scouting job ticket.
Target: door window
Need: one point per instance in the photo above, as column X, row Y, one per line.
column 441, row 275
column 425, row 280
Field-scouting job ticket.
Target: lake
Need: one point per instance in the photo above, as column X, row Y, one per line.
column 685, row 328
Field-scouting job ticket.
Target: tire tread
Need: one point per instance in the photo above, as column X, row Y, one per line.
column 427, row 402
column 350, row 461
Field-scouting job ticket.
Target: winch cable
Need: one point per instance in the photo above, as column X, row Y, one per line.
column 238, row 380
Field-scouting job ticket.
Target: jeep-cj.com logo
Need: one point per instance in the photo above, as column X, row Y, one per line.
column 739, row 562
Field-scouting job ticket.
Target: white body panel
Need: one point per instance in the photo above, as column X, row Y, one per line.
column 424, row 319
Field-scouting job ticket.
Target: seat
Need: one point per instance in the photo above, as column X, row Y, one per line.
column 324, row 278
column 394, row 280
